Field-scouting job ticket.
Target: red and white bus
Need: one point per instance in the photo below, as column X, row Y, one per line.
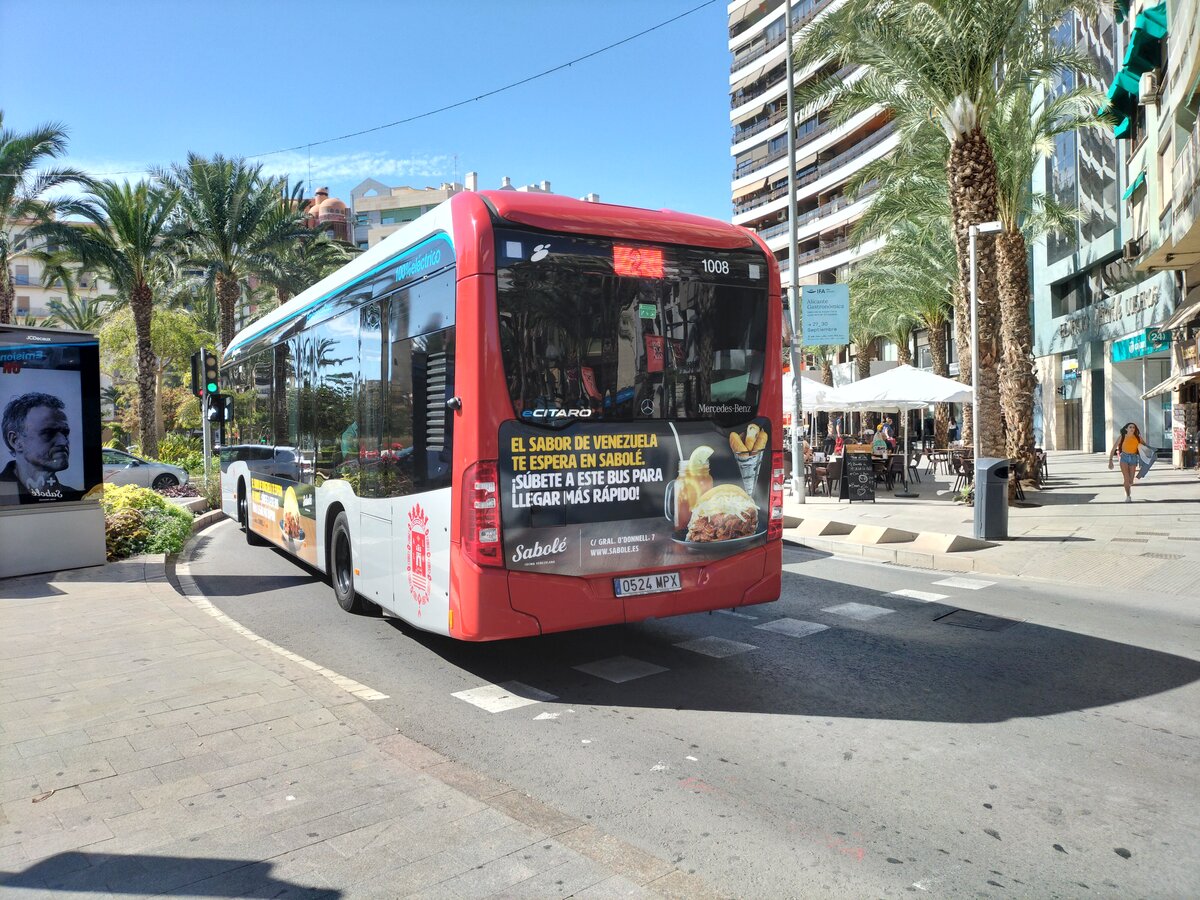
column 519, row 414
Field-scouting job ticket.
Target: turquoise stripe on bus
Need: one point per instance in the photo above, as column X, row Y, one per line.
column 397, row 260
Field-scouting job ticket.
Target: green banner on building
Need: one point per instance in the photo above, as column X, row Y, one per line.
column 1144, row 343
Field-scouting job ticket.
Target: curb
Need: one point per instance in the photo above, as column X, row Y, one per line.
column 890, row 553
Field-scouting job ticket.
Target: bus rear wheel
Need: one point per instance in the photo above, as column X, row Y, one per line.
column 341, row 566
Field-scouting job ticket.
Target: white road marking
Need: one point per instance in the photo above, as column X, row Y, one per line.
column 692, row 758
column 970, row 584
column 540, row 717
column 618, row 669
column 736, row 615
column 924, row 596
column 496, row 698
column 793, row 627
column 661, row 767
column 860, row 612
column 716, row 647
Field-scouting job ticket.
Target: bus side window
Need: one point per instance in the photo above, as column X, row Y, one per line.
column 421, row 425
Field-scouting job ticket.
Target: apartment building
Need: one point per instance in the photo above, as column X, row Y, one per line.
column 33, row 296
column 826, row 156
column 1166, row 211
column 1094, row 306
column 379, row 210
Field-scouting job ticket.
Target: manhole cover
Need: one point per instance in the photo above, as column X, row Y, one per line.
column 1162, row 555
column 965, row 618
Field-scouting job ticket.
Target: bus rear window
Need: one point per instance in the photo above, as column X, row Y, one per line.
column 594, row 330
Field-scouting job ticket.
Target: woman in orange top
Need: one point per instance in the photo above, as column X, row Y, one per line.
column 1128, row 442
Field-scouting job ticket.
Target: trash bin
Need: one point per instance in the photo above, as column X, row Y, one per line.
column 991, row 499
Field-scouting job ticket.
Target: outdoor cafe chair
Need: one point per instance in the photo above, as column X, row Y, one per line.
column 895, row 470
column 833, row 476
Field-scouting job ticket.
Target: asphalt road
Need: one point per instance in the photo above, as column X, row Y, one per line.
column 894, row 751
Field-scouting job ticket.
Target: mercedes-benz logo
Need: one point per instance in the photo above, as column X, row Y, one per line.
column 647, row 407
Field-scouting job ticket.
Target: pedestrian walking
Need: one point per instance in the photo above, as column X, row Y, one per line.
column 1128, row 444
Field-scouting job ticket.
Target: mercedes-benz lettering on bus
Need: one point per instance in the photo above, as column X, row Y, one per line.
column 520, row 414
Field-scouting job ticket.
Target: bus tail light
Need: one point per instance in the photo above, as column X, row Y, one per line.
column 481, row 514
column 775, row 526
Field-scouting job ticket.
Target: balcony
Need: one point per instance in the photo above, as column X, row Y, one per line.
column 825, row 209
column 757, row 53
column 740, row 134
column 1185, row 200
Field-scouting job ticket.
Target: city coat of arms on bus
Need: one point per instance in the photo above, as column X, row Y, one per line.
column 418, row 556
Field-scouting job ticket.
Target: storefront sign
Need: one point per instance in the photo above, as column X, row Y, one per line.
column 825, row 314
column 1107, row 316
column 50, row 403
column 1070, row 368
column 1144, row 343
column 592, row 499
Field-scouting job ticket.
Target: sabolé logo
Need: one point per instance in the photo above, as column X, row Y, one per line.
column 539, row 550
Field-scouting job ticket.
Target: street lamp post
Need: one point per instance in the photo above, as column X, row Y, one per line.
column 797, row 349
column 973, row 231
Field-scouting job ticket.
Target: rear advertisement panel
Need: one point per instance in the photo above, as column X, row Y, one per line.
column 50, row 415
column 285, row 513
column 592, row 499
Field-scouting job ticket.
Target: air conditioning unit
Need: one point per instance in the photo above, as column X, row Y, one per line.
column 1131, row 250
column 1148, row 88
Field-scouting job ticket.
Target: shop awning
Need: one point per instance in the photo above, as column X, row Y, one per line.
column 1121, row 9
column 1167, row 385
column 1134, row 185
column 1182, row 316
column 1143, row 54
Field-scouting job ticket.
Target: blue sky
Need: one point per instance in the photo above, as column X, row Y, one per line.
column 142, row 83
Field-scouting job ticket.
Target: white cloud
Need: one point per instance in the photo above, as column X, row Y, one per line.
column 355, row 166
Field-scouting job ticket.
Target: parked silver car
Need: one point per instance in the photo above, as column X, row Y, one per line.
column 125, row 468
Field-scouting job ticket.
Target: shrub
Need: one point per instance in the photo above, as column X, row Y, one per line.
column 137, row 520
column 177, row 448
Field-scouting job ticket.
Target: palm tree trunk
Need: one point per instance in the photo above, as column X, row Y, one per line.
column 866, row 352
column 937, row 353
column 228, row 294
column 159, row 371
column 7, row 292
column 827, row 372
column 971, row 171
column 1017, row 381
column 141, row 303
column 904, row 353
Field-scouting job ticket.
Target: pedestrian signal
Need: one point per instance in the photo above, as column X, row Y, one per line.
column 220, row 408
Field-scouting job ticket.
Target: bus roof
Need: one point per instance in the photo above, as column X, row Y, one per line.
column 552, row 212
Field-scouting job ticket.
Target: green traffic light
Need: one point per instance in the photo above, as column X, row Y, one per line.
column 211, row 387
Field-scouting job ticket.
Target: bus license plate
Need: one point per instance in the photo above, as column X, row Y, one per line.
column 646, row 584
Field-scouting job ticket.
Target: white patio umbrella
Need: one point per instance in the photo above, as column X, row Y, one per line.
column 901, row 389
column 815, row 396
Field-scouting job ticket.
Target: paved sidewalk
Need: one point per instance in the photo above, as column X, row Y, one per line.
column 148, row 747
column 1077, row 528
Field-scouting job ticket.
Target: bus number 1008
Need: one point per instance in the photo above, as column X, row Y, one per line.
column 716, row 266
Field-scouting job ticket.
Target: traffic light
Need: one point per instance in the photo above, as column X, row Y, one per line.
column 211, row 372
column 197, row 372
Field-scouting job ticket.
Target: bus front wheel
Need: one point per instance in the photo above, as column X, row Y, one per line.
column 341, row 566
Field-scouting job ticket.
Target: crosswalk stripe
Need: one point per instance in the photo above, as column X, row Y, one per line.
column 970, row 584
column 924, row 596
column 793, row 627
column 716, row 647
column 860, row 612
column 496, row 698
column 619, row 669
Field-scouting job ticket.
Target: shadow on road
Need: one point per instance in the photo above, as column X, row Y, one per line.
column 112, row 873
column 901, row 666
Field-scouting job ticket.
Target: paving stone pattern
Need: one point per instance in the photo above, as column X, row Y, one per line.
column 148, row 748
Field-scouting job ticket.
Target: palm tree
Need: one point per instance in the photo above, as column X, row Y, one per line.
column 1022, row 134
column 129, row 244
column 23, row 190
column 948, row 61
column 77, row 313
column 231, row 224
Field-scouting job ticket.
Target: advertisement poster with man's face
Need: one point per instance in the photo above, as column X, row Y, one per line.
column 49, row 416
column 593, row 499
